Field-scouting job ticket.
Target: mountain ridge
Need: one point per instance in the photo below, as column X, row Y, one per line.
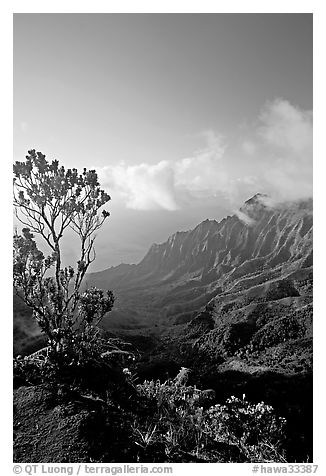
column 224, row 257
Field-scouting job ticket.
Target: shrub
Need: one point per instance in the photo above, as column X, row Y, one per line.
column 48, row 199
column 253, row 428
column 186, row 422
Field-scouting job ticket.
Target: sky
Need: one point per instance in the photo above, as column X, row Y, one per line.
column 184, row 116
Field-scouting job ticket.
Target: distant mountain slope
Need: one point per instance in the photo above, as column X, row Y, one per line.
column 254, row 255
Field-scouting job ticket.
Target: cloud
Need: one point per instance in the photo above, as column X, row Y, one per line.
column 167, row 185
column 244, row 217
column 275, row 158
column 143, row 186
column 286, row 127
column 287, row 136
column 203, row 173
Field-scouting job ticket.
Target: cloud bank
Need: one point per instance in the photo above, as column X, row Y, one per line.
column 273, row 157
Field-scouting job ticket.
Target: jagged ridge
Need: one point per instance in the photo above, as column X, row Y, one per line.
column 249, row 251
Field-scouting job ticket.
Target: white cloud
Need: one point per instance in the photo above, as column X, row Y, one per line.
column 165, row 184
column 287, row 134
column 244, row 217
column 143, row 186
column 287, row 127
column 203, row 172
column 275, row 158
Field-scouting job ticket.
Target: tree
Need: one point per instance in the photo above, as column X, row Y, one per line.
column 48, row 199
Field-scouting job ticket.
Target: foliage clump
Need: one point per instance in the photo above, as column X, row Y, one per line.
column 190, row 428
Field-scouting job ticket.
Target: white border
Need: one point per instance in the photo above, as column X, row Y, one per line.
column 168, row 6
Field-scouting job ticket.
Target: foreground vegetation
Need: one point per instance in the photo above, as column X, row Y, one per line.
column 167, row 421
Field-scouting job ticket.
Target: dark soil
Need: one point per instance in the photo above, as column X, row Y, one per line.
column 55, row 425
